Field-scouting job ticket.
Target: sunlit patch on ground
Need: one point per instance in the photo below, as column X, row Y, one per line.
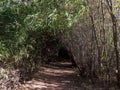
column 53, row 77
column 59, row 76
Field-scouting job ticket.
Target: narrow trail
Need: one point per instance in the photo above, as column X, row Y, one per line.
column 60, row 76
column 56, row 76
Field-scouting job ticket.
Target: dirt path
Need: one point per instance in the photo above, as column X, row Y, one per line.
column 60, row 76
column 56, row 76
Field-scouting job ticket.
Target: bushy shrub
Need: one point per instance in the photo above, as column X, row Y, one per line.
column 25, row 26
column 9, row 79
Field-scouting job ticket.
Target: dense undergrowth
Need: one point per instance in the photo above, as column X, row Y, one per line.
column 26, row 27
column 31, row 31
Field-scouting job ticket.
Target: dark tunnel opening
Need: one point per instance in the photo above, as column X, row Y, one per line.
column 55, row 52
column 66, row 55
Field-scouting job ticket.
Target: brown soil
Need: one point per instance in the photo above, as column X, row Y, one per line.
column 59, row 76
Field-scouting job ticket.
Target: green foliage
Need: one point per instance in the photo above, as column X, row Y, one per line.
column 24, row 25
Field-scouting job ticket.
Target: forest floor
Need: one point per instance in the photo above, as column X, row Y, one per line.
column 58, row 76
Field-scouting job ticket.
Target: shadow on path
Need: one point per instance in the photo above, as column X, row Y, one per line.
column 55, row 76
column 61, row 76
